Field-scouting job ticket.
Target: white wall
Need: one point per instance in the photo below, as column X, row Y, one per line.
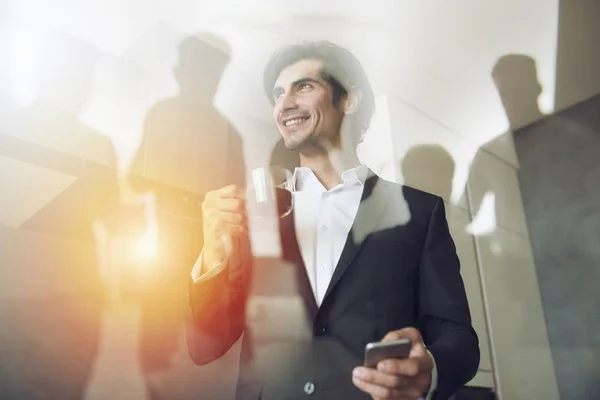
column 578, row 58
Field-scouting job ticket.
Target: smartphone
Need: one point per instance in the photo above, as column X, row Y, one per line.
column 379, row 351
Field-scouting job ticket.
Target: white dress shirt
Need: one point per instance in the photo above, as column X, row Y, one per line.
column 323, row 219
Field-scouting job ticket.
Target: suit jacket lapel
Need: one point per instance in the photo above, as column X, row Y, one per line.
column 372, row 204
column 291, row 253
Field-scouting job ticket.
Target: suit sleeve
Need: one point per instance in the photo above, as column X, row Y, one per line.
column 217, row 307
column 444, row 316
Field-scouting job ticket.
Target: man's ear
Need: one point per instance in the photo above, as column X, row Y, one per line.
column 353, row 101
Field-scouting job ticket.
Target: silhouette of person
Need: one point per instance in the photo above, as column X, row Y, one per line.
column 515, row 77
column 429, row 168
column 50, row 325
column 188, row 149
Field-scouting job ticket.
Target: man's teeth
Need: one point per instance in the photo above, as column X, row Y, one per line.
column 295, row 121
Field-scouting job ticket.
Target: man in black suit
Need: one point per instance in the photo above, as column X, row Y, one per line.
column 394, row 273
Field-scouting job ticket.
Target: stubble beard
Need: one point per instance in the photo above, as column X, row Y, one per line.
column 308, row 146
column 294, row 143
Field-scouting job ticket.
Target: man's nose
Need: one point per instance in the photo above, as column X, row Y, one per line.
column 288, row 102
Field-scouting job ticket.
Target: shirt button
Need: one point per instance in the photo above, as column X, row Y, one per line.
column 323, row 228
column 309, row 388
column 319, row 330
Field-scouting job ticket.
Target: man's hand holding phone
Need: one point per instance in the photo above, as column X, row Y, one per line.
column 398, row 378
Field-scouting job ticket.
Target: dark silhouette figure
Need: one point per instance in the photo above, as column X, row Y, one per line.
column 188, row 149
column 53, row 293
column 515, row 77
column 429, row 168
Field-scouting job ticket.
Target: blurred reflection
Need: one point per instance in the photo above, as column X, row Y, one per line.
column 188, row 149
column 60, row 186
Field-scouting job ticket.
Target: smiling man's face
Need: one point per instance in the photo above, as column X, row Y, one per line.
column 304, row 110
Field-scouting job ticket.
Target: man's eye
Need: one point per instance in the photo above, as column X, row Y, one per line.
column 276, row 96
column 304, row 86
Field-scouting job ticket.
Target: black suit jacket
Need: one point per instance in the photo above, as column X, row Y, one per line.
column 398, row 269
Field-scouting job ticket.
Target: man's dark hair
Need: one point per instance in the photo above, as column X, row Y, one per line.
column 341, row 70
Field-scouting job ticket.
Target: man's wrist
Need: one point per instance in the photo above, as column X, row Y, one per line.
column 200, row 270
column 209, row 261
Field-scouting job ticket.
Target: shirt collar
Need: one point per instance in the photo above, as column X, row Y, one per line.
column 304, row 177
